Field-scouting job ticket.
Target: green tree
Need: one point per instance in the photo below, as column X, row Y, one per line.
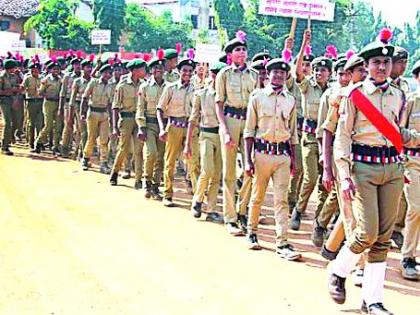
column 59, row 27
column 110, row 15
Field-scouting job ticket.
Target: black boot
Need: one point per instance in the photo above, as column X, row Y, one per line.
column 196, row 209
column 156, row 193
column 148, row 193
column 114, row 179
column 38, row 148
column 336, row 288
column 295, row 220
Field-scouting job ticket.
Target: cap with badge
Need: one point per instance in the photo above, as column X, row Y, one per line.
column 173, row 53
column 261, row 56
column 136, row 64
column 308, row 56
column 78, row 58
column 158, row 60
column 380, row 47
column 239, row 40
column 342, row 60
column 280, row 63
column 399, row 53
column 88, row 62
column 52, row 63
column 217, row 67
column 34, row 62
column 106, row 67
column 322, row 62
column 353, row 62
column 416, row 68
column 188, row 61
column 9, row 64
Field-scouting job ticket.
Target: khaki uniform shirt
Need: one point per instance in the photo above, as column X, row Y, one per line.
column 402, row 84
column 78, row 88
column 7, row 81
column 126, row 96
column 31, row 86
column 233, row 86
column 50, row 87
column 100, row 94
column 311, row 97
column 328, row 107
column 354, row 127
column 67, row 84
column 149, row 95
column 198, row 83
column 176, row 100
column 294, row 89
column 411, row 120
column 172, row 76
column 272, row 116
column 204, row 109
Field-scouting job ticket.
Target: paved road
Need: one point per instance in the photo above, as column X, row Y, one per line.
column 71, row 244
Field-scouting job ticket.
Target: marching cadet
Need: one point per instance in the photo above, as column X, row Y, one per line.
column 18, row 102
column 203, row 115
column 366, row 150
column 312, row 89
column 296, row 178
column 31, row 85
column 399, row 65
column 98, row 95
column 124, row 123
column 330, row 98
column 171, row 55
column 50, row 91
column 175, row 103
column 147, row 122
column 64, row 105
column 234, row 84
column 8, row 88
column 271, row 132
column 199, row 80
column 411, row 120
column 73, row 111
column 344, row 225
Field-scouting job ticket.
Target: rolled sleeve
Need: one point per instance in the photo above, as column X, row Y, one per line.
column 322, row 114
column 196, row 109
column 221, row 87
column 118, row 97
column 141, row 108
column 251, row 118
column 293, row 126
column 164, row 100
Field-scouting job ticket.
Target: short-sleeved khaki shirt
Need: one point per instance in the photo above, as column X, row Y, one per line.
column 176, row 100
column 311, row 97
column 171, row 77
column 78, row 88
column 149, row 95
column 233, row 86
column 99, row 93
column 354, row 127
column 204, row 109
column 127, row 95
column 272, row 116
column 50, row 87
column 67, row 84
column 31, row 86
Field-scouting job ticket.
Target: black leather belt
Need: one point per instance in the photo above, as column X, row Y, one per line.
column 374, row 155
column 238, row 113
column 309, row 126
column 180, row 122
column 127, row 114
column 151, row 120
column 272, row 148
column 52, row 99
column 412, row 152
column 210, row 130
column 98, row 109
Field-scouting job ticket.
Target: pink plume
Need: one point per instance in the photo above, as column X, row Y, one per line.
column 241, row 35
column 54, row 59
column 160, row 54
column 178, row 47
column 349, row 53
column 385, row 35
column 191, row 54
column 37, row 58
column 147, row 57
column 91, row 57
column 229, row 59
column 111, row 62
column 265, row 61
column 21, row 59
column 308, row 50
column 79, row 54
column 71, row 52
column 287, row 55
column 331, row 51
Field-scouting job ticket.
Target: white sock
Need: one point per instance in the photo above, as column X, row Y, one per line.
column 373, row 283
column 344, row 262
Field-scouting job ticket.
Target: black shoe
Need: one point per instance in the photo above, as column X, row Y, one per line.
column 156, row 193
column 318, row 234
column 6, row 151
column 295, row 220
column 56, row 152
column 336, row 288
column 378, row 309
column 214, row 217
column 288, row 252
column 328, row 255
column 138, row 185
column 167, row 202
column 38, row 148
column 114, row 179
column 148, row 193
column 364, row 308
column 398, row 239
column 85, row 164
column 408, row 269
column 65, row 152
column 243, row 221
column 196, row 209
column 253, row 242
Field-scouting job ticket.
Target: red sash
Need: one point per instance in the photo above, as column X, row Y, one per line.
column 377, row 119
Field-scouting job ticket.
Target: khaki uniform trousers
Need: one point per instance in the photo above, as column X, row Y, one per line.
column 312, row 176
column 77, row 131
column 295, row 182
column 193, row 164
column 402, row 213
column 412, row 223
column 51, row 123
column 155, row 149
column 18, row 115
column 97, row 125
column 211, row 170
column 174, row 146
column 7, row 113
column 277, row 168
column 378, row 191
column 128, row 130
column 35, row 118
column 229, row 155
